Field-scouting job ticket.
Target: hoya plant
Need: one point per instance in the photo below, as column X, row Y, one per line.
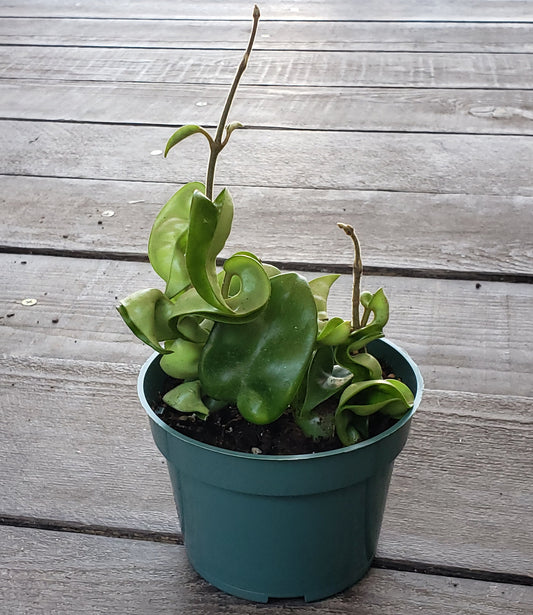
column 249, row 335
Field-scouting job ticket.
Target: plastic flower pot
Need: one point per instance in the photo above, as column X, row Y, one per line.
column 266, row 526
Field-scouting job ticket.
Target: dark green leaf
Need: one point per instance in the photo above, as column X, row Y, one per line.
column 259, row 365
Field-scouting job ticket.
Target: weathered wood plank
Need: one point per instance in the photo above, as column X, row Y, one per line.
column 77, row 448
column 464, row 338
column 47, row 572
column 323, row 35
column 458, row 233
column 368, row 109
column 417, row 163
column 338, row 68
column 381, row 10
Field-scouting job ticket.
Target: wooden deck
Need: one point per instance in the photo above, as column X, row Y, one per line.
column 411, row 120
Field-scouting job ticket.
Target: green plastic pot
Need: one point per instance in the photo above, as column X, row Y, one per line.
column 281, row 526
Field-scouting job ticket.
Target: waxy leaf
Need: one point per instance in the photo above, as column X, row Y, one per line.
column 148, row 313
column 209, row 227
column 183, row 361
column 362, row 365
column 253, row 293
column 334, row 332
column 323, row 380
column 168, row 239
column 194, row 328
column 260, row 364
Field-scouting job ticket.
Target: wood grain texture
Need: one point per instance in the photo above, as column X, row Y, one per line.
column 457, row 233
column 275, row 35
column 417, row 163
column 324, row 108
column 45, row 572
column 444, row 324
column 79, row 449
column 381, row 10
column 217, row 66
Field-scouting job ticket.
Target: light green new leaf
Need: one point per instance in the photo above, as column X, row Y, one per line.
column 194, row 328
column 182, row 362
column 183, row 133
column 361, row 399
column 335, row 331
column 320, row 288
column 377, row 305
column 148, row 314
column 187, row 397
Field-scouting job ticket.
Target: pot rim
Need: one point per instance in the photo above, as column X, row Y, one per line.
column 304, row 456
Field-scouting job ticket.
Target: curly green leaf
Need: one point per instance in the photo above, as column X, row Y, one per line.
column 209, row 227
column 362, row 399
column 168, row 239
column 259, row 365
column 362, row 365
column 148, row 314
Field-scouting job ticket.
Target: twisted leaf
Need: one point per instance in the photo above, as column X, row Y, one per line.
column 168, row 239
column 362, row 365
column 361, row 399
column 259, row 365
column 377, row 305
column 148, row 314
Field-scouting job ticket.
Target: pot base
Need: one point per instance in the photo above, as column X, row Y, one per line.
column 312, row 595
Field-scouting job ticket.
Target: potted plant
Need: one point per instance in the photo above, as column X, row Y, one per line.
column 249, row 349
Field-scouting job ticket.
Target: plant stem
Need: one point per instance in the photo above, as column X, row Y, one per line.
column 217, row 145
column 357, row 274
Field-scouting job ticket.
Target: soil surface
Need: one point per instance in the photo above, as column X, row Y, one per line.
column 227, row 429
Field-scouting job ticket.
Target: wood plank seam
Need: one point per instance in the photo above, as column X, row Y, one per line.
column 268, row 128
column 408, row 272
column 269, row 49
column 381, row 563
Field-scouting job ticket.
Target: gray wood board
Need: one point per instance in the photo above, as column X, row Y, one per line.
column 381, row 10
column 217, row 66
column 421, row 163
column 276, row 35
column 420, row 232
column 46, row 572
column 77, row 448
column 464, row 338
column 324, row 108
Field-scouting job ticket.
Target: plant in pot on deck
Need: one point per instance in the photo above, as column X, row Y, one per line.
column 251, row 350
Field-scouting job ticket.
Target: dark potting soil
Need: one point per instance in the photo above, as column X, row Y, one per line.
column 227, row 429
